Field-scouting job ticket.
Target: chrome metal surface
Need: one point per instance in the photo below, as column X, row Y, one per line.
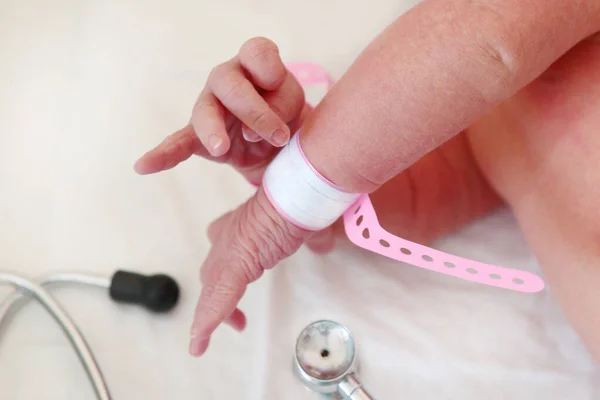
column 326, row 362
column 350, row 388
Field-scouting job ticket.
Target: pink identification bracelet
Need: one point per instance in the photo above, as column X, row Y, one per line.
column 307, row 199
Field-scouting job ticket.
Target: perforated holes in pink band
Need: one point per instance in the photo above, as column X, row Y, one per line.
column 363, row 229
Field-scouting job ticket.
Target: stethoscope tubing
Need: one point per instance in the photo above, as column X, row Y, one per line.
column 83, row 350
column 14, row 301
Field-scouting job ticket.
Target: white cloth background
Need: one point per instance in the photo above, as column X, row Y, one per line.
column 88, row 86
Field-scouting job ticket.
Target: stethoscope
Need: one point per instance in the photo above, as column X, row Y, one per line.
column 157, row 293
column 325, row 354
column 326, row 362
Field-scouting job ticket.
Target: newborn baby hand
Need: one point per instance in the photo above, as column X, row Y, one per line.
column 245, row 114
column 246, row 242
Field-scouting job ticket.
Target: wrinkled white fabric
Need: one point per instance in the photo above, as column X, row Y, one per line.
column 88, row 86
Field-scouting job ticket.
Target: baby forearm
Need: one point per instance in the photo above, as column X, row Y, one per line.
column 431, row 74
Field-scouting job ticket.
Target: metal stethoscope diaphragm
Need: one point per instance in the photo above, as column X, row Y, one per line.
column 325, row 360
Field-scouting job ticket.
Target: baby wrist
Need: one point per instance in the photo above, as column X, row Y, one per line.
column 300, row 193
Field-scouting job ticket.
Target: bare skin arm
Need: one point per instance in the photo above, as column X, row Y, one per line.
column 430, row 75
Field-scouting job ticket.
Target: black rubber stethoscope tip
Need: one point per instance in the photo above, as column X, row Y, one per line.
column 158, row 293
column 161, row 293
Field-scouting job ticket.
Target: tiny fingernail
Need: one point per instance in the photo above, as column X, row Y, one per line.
column 250, row 135
column 279, row 137
column 215, row 142
column 193, row 347
column 137, row 167
column 198, row 346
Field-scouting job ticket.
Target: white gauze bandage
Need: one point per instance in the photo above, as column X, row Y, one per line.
column 302, row 195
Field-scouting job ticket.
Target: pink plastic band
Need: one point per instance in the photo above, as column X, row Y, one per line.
column 310, row 74
column 363, row 229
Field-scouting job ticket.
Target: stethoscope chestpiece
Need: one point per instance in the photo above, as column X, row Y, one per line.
column 325, row 360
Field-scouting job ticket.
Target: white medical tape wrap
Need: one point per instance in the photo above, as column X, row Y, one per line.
column 300, row 194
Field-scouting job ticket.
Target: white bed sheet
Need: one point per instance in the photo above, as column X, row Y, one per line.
column 88, row 86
